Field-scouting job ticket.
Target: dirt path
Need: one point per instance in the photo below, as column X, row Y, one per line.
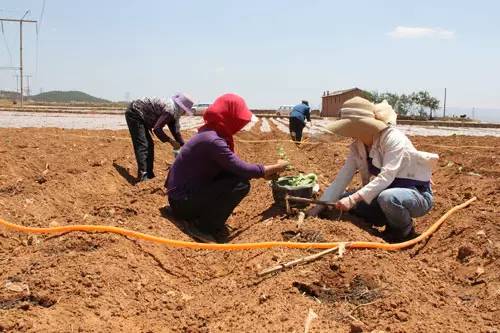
column 98, row 282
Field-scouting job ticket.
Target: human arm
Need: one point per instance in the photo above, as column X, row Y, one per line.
column 175, row 129
column 272, row 170
column 230, row 162
column 338, row 186
column 308, row 114
column 164, row 119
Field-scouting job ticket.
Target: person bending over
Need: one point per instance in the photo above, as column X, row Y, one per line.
column 297, row 121
column 152, row 114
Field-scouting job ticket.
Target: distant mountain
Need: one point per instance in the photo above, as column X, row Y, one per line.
column 4, row 94
column 66, row 97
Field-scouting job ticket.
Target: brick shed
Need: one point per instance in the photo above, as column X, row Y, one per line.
column 333, row 100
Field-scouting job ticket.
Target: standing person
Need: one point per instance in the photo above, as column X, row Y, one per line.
column 152, row 114
column 208, row 180
column 297, row 121
column 396, row 177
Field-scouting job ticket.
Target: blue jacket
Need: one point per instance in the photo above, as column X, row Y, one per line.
column 302, row 112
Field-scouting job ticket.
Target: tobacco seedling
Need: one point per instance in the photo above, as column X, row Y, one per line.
column 282, row 156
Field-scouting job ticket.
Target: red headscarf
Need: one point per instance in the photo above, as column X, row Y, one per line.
column 227, row 116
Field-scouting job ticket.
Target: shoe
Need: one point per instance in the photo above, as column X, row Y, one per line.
column 143, row 176
column 395, row 236
column 222, row 235
column 199, row 235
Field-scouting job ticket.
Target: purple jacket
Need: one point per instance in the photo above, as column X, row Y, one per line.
column 200, row 160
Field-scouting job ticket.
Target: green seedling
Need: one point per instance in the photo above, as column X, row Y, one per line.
column 282, row 156
column 300, row 180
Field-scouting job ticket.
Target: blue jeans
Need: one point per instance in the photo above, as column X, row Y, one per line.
column 395, row 208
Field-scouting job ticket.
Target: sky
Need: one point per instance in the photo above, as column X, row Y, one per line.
column 270, row 52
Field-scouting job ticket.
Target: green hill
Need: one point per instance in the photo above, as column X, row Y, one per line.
column 67, row 97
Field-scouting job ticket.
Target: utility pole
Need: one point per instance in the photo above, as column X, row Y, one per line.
column 28, row 90
column 20, row 21
column 444, row 105
column 17, row 82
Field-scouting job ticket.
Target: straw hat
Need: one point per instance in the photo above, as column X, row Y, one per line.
column 384, row 112
column 359, row 118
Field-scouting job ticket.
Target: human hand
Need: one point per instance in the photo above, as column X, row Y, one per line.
column 272, row 171
column 347, row 203
column 282, row 165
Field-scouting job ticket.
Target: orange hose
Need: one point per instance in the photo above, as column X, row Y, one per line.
column 241, row 246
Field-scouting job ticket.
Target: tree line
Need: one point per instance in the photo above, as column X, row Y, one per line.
column 419, row 103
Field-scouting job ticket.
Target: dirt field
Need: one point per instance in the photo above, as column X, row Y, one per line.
column 83, row 282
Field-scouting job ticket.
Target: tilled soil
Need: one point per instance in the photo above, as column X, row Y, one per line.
column 87, row 282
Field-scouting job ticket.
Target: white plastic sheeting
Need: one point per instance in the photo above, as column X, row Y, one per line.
column 115, row 122
column 265, row 127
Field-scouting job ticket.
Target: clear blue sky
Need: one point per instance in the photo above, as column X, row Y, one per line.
column 271, row 52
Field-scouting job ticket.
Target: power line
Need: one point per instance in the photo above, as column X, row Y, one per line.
column 41, row 13
column 6, row 43
column 38, row 29
column 26, row 13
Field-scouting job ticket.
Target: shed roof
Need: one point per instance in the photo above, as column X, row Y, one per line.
column 340, row 92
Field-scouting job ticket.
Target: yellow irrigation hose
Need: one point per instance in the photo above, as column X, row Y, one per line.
column 225, row 247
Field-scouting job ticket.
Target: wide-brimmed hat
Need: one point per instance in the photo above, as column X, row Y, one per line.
column 384, row 112
column 184, row 102
column 359, row 118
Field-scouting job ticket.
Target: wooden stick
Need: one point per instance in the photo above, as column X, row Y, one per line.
column 287, row 205
column 311, row 315
column 301, row 218
column 305, row 200
column 297, row 261
column 364, row 304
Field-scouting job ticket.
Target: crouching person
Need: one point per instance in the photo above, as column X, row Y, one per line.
column 396, row 177
column 207, row 179
column 152, row 114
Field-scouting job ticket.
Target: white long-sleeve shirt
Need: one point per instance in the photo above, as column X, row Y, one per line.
column 391, row 152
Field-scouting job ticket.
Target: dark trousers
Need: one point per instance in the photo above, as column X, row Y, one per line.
column 143, row 144
column 209, row 207
column 296, row 126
